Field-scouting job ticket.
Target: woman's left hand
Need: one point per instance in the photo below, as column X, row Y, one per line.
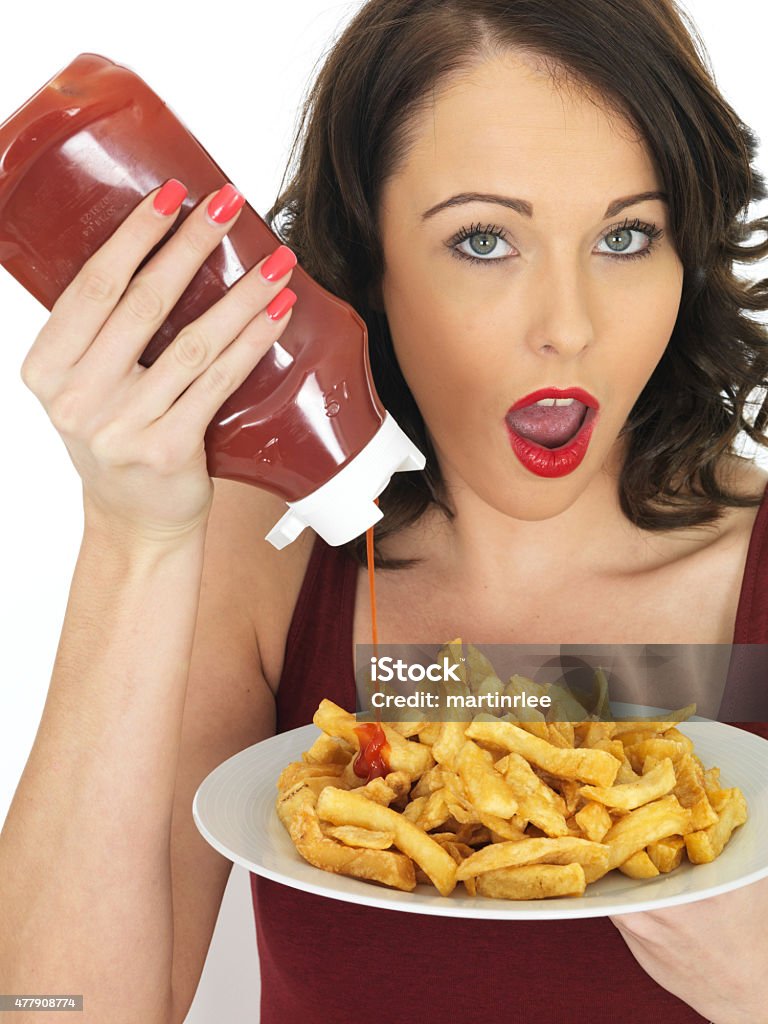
column 712, row 954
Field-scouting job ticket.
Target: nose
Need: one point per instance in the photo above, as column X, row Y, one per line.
column 560, row 320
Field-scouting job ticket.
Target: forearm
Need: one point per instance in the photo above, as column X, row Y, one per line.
column 84, row 853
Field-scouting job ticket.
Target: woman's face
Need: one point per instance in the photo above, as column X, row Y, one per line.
column 490, row 301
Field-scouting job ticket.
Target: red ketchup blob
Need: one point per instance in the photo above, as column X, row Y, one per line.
column 372, row 762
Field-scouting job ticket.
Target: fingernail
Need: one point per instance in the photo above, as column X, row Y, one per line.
column 225, row 204
column 281, row 303
column 170, row 197
column 279, row 263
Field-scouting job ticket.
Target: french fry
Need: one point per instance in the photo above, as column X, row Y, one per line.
column 594, row 820
column 461, row 809
column 536, row 882
column 430, row 781
column 414, row 758
column 298, row 771
column 365, row 838
column 712, row 781
column 594, row 766
column 590, row 732
column 449, row 742
column 414, row 808
column 647, row 824
column 385, row 866
column 566, row 850
column 502, row 829
column 429, row 733
column 657, row 747
column 536, row 801
column 655, row 725
column 602, row 705
column 704, row 846
column 639, row 865
column 512, row 808
column 434, row 812
column 459, row 851
column 561, row 734
column 570, row 790
column 658, row 782
column 408, row 729
column 342, row 807
column 484, row 786
column 385, row 791
column 328, row 750
column 667, row 854
column 690, row 791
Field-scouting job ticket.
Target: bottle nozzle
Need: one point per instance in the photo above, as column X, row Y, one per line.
column 343, row 507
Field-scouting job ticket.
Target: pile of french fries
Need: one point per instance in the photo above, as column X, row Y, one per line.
column 515, row 809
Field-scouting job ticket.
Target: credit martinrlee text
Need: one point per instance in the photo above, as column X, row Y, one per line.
column 473, row 701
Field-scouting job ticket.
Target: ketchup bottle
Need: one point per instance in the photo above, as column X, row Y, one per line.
column 307, row 423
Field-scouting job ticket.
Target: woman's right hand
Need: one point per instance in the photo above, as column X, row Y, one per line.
column 134, row 433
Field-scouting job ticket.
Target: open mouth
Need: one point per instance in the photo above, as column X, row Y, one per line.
column 551, row 426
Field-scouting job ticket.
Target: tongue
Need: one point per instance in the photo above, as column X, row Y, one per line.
column 548, row 425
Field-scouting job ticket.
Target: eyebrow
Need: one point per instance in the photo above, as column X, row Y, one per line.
column 526, row 209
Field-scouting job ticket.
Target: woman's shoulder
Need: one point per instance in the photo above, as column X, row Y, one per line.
column 747, row 479
column 728, row 537
column 726, row 546
column 265, row 582
column 743, row 476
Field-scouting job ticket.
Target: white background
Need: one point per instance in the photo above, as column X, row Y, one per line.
column 236, row 74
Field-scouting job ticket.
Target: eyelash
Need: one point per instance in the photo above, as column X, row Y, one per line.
column 651, row 231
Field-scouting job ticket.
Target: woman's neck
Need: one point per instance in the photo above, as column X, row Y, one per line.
column 591, row 534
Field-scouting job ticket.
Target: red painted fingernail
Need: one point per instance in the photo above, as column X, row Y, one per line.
column 279, row 263
column 225, row 204
column 170, row 197
column 281, row 303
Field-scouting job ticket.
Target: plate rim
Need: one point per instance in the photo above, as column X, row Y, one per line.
column 449, row 906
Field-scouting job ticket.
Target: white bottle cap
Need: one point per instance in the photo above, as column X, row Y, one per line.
column 342, row 508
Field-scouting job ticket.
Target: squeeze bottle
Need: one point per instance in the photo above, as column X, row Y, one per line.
column 307, row 423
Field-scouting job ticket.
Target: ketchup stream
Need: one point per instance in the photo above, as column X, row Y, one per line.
column 372, row 762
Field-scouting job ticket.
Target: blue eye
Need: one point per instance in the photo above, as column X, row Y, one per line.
column 482, row 241
column 630, row 240
column 479, row 243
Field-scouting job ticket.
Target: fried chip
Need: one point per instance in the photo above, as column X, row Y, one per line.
column 647, row 824
column 384, row 866
column 352, row 835
column 626, row 797
column 594, row 766
column 704, row 846
column 667, row 854
column 485, row 787
column 342, row 807
column 566, row 850
column 514, row 809
column 536, row 882
column 639, row 865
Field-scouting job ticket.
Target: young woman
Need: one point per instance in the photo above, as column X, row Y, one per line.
column 516, row 196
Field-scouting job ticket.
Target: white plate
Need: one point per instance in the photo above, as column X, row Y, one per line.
column 234, row 809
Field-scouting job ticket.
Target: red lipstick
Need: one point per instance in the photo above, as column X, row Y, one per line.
column 565, row 458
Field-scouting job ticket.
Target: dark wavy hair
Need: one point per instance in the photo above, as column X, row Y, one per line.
column 353, row 133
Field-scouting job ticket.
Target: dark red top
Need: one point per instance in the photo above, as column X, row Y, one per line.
column 324, row 961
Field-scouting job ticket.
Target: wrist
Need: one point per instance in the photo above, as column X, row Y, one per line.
column 111, row 532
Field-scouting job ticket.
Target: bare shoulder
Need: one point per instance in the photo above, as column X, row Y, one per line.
column 744, row 477
column 266, row 582
column 747, row 479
